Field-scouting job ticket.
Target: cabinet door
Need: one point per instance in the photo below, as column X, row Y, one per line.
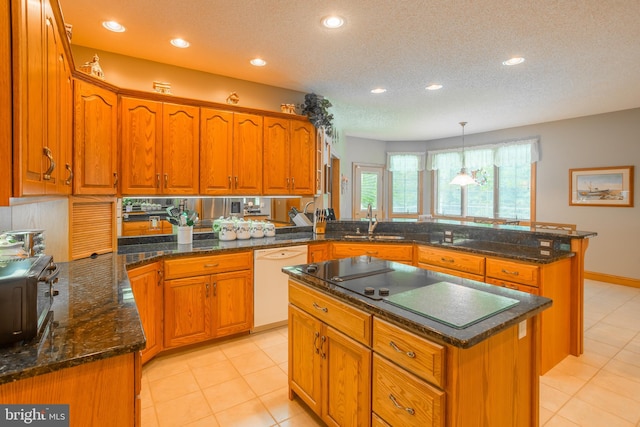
column 180, row 149
column 52, row 172
column 233, row 299
column 302, row 153
column 66, row 124
column 247, row 154
column 304, row 358
column 346, row 381
column 29, row 53
column 147, row 290
column 187, row 310
column 277, row 176
column 95, row 143
column 141, row 124
column 216, row 144
column 318, row 252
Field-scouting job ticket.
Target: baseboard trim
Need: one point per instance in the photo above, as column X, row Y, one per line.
column 610, row 278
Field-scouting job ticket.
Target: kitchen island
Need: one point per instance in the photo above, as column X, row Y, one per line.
column 431, row 349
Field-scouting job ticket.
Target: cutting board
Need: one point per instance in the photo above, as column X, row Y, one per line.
column 454, row 305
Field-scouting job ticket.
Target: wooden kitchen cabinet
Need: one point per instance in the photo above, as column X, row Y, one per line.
column 200, row 306
column 41, row 139
column 392, row 252
column 458, row 263
column 318, row 252
column 160, row 147
column 95, row 152
column 329, row 371
column 146, row 284
column 216, row 152
column 289, row 157
column 246, row 159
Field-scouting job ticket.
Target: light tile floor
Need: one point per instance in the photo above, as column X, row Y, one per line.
column 243, row 382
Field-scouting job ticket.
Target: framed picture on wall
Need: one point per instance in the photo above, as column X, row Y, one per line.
column 608, row 186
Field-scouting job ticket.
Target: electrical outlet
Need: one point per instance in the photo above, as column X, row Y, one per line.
column 448, row 236
column 546, row 243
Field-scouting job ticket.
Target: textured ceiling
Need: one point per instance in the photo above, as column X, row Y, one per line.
column 582, row 56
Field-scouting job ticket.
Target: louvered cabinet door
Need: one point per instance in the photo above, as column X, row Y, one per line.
column 92, row 226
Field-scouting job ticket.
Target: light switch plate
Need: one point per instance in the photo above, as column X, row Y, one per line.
column 522, row 329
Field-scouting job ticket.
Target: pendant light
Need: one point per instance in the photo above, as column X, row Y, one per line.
column 463, row 178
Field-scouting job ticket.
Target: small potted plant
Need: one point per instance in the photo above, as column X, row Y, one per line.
column 316, row 107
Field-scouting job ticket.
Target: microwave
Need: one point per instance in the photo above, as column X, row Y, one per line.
column 26, row 297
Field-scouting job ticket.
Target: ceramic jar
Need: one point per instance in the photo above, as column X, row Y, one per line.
column 257, row 229
column 243, row 230
column 269, row 229
column 227, row 230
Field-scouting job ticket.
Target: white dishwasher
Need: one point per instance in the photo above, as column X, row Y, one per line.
column 270, row 284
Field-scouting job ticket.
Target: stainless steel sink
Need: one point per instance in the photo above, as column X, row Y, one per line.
column 374, row 237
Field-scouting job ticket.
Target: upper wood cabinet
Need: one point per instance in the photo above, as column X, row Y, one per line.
column 247, row 154
column 289, row 157
column 141, row 146
column 216, row 151
column 95, row 151
column 41, row 121
column 160, row 147
column 180, row 149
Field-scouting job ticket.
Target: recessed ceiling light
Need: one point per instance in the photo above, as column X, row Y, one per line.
column 378, row 90
column 258, row 62
column 333, row 21
column 114, row 26
column 181, row 43
column 434, row 87
column 513, row 61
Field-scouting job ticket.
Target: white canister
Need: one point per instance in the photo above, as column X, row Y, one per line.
column 185, row 235
column 257, row 230
column 227, row 231
column 242, row 230
column 269, row 229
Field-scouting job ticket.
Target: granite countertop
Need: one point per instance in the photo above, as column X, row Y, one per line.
column 138, row 249
column 94, row 317
column 528, row 305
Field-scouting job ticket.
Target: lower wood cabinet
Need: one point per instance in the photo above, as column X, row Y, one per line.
column 329, row 371
column 318, row 252
column 391, row 252
column 146, row 284
column 203, row 307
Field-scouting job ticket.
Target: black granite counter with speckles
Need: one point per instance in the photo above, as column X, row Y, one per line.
column 528, row 305
column 94, row 316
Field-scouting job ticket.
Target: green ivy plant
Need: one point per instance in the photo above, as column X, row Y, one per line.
column 316, row 107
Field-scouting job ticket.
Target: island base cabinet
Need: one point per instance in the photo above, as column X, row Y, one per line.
column 103, row 393
column 402, row 399
column 329, row 371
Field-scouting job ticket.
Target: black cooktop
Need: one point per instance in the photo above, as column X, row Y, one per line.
column 372, row 277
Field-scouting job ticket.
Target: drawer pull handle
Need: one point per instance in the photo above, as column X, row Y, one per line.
column 372, row 252
column 410, row 411
column 443, row 259
column 317, row 307
column 211, row 265
column 393, row 345
column 513, row 273
column 316, row 335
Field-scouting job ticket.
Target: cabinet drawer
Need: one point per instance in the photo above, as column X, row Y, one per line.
column 457, row 273
column 197, row 266
column 402, row 399
column 378, row 250
column 418, row 355
column 451, row 259
column 511, row 285
column 517, row 272
column 349, row 320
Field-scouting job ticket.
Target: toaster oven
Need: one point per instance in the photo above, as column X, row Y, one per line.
column 26, row 297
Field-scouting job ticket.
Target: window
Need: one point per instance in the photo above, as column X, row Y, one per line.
column 405, row 171
column 504, row 174
column 368, row 190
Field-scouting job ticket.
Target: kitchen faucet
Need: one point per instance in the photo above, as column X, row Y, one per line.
column 372, row 225
column 307, row 205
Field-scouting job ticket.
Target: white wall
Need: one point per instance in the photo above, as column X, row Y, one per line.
column 611, row 139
